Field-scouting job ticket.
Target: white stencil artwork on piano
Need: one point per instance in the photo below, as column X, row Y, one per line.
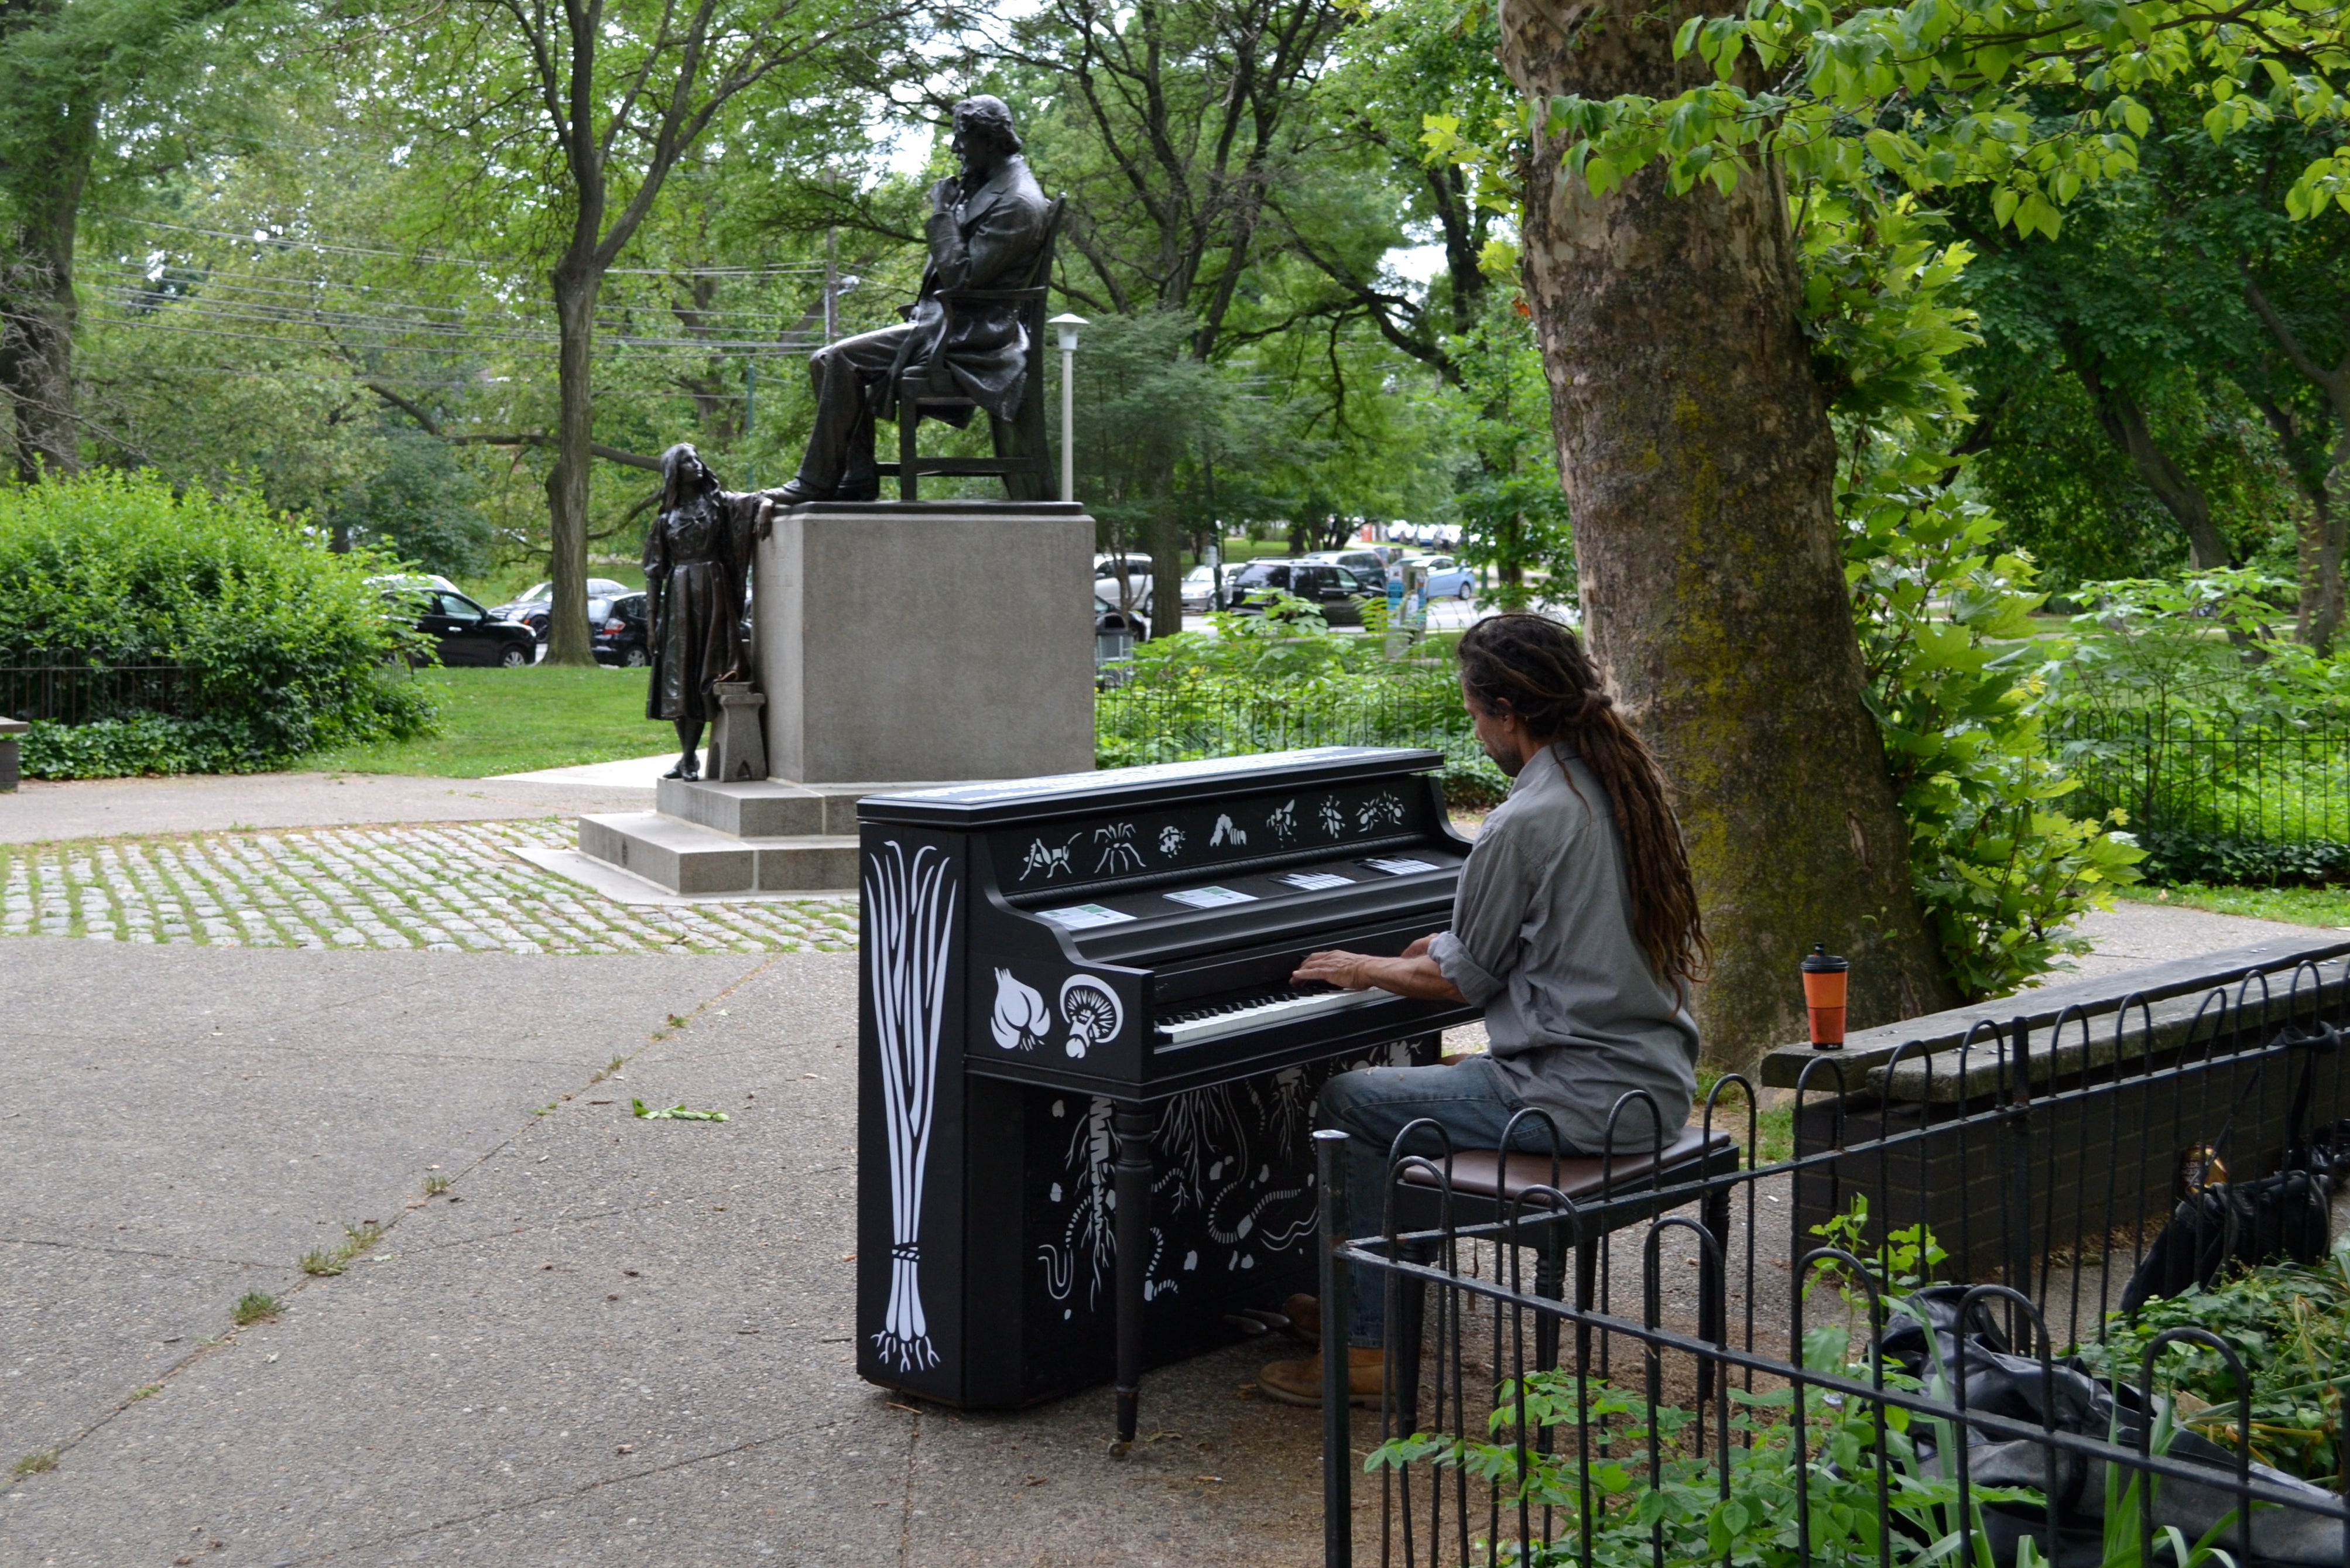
column 1053, row 861
column 1091, row 1008
column 1382, row 810
column 1021, row 1018
column 1170, row 841
column 1117, row 850
column 1227, row 834
column 1333, row 821
column 1232, row 1168
column 909, row 917
column 1283, row 822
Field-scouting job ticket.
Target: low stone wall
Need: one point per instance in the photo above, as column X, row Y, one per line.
column 2120, row 1077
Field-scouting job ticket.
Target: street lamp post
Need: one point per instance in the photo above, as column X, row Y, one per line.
column 1067, row 325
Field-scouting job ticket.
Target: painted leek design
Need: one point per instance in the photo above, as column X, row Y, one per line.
column 909, row 913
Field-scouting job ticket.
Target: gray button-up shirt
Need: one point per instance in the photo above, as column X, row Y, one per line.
column 1541, row 940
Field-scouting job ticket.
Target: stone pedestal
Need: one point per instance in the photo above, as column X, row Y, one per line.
column 928, row 640
column 738, row 747
column 10, row 729
column 896, row 642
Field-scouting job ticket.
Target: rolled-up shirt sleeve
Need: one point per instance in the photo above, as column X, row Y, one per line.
column 1481, row 950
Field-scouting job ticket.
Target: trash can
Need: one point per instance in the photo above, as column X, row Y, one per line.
column 1113, row 638
column 9, row 729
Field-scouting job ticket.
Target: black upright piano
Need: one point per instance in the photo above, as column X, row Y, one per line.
column 1085, row 1080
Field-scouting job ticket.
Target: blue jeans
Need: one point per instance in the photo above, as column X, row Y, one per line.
column 1371, row 1106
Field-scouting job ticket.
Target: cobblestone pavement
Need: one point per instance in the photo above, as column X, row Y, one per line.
column 457, row 887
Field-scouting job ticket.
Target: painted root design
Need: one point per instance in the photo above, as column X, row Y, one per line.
column 1092, row 1010
column 910, row 912
column 1021, row 1017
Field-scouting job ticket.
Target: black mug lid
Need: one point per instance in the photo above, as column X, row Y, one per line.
column 1822, row 962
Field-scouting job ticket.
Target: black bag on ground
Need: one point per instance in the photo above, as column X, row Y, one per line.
column 2278, row 1217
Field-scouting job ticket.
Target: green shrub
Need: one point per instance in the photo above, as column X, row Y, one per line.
column 285, row 646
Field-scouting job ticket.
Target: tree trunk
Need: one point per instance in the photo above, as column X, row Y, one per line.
column 2126, row 426
column 1698, row 464
column 577, row 283
column 1166, row 575
column 37, row 311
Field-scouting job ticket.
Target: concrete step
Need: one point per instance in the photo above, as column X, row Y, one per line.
column 769, row 808
column 689, row 857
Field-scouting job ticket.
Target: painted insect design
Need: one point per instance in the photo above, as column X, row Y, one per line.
column 1283, row 823
column 1170, row 841
column 1333, row 821
column 1116, row 843
column 1227, row 834
column 1381, row 810
column 1091, row 1008
column 1053, row 861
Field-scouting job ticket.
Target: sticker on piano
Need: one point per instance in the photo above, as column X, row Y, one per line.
column 1078, row 916
column 1211, row 897
column 1394, row 865
column 1315, row 881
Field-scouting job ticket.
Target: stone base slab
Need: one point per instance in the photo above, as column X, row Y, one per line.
column 684, row 857
column 622, row 888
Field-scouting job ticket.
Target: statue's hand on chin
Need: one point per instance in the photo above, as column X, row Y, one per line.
column 945, row 195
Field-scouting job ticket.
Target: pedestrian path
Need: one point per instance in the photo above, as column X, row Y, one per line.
column 447, row 888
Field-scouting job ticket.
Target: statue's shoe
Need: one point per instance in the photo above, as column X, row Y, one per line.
column 867, row 489
column 794, row 493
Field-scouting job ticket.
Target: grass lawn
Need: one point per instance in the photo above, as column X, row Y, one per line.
column 512, row 720
column 2299, row 906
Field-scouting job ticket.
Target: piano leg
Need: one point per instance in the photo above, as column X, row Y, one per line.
column 1135, row 1124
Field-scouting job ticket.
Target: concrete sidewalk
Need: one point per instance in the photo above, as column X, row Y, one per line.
column 46, row 810
column 611, row 1341
column 625, row 1342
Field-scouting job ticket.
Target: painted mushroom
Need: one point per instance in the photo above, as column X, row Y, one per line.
column 1092, row 1010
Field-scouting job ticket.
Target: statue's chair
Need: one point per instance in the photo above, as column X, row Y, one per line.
column 1022, row 458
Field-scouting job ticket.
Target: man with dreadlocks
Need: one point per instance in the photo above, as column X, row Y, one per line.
column 1575, row 928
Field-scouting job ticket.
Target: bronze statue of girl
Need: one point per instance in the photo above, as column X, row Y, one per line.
column 696, row 579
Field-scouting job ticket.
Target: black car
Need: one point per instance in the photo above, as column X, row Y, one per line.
column 623, row 636
column 536, row 608
column 465, row 631
column 1334, row 590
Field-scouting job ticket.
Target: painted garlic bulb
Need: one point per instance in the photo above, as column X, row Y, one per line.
column 1092, row 1011
column 1021, row 1017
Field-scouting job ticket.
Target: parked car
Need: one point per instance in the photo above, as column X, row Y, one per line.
column 1447, row 579
column 1200, row 590
column 1362, row 558
column 1137, row 594
column 534, row 608
column 465, row 632
column 1336, row 590
column 623, row 635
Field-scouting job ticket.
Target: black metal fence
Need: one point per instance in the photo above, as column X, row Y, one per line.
column 1780, row 1364
column 81, row 693
column 2268, row 783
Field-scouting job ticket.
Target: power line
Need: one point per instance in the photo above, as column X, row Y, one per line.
column 167, row 289
column 428, row 258
column 758, row 349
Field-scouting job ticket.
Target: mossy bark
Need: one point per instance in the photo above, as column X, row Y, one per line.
column 1698, row 464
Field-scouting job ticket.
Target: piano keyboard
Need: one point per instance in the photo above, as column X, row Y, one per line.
column 1173, row 1031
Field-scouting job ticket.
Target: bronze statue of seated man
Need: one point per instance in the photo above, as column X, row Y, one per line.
column 987, row 224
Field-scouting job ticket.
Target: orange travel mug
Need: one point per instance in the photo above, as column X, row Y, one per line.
column 1823, row 982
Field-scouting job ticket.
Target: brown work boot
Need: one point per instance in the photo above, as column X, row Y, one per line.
column 1300, row 1382
column 1304, row 1315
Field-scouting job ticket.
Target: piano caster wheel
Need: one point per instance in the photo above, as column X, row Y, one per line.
column 1120, row 1447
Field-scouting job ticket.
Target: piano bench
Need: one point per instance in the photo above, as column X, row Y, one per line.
column 1485, row 1185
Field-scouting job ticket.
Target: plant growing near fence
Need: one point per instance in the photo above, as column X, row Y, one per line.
column 284, row 645
column 2290, row 1327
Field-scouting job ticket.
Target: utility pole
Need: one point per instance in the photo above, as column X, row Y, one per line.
column 750, row 419
column 831, row 283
